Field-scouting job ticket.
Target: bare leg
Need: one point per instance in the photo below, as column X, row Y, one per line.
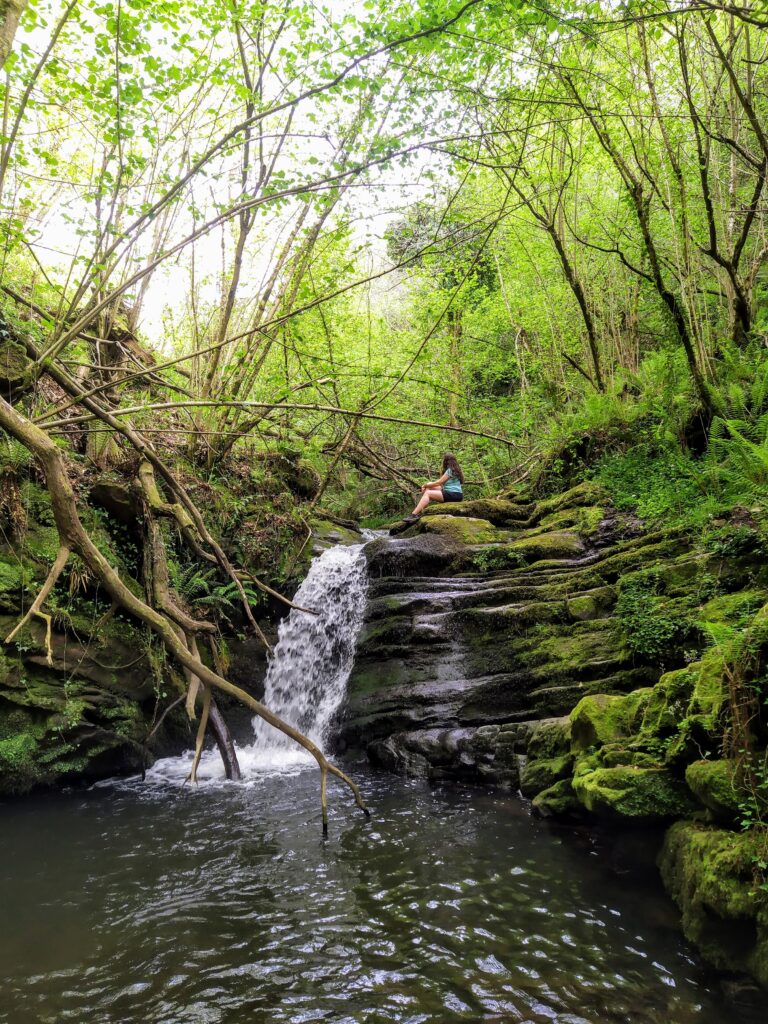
column 432, row 494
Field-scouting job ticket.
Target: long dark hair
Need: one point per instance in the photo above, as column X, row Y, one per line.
column 451, row 462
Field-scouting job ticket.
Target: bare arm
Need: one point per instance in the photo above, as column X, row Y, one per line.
column 435, row 483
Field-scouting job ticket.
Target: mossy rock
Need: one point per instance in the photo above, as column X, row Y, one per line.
column 634, row 794
column 727, row 609
column 585, row 520
column 498, row 511
column 710, row 873
column 556, row 545
column 15, row 578
column 543, row 773
column 464, row 530
column 715, row 784
column 585, row 493
column 15, row 365
column 51, row 733
column 602, row 718
column 592, row 604
column 667, row 703
column 296, row 474
column 112, row 493
column 557, row 801
column 549, row 737
column 326, row 534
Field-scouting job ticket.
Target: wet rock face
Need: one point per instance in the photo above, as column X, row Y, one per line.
column 479, row 623
column 493, row 628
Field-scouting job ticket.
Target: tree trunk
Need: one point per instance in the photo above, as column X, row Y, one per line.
column 10, row 13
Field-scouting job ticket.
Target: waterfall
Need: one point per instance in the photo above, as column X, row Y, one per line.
column 307, row 674
column 309, row 668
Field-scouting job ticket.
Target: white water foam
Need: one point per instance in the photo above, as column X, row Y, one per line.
column 307, row 674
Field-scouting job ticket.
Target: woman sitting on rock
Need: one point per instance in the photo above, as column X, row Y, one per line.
column 447, row 488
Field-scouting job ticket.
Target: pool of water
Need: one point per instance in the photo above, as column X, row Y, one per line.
column 152, row 903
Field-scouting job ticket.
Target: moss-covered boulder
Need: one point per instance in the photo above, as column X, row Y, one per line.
column 548, row 757
column 559, row 801
column 499, row 511
column 631, row 793
column 465, row 530
column 711, row 874
column 554, row 545
column 16, row 371
column 326, row 534
column 586, row 493
column 549, row 737
column 602, row 719
column 592, row 604
column 716, row 785
column 543, row 773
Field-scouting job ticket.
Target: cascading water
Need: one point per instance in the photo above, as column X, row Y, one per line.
column 312, row 660
column 307, row 674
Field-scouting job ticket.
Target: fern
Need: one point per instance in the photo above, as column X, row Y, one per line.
column 743, row 458
column 14, row 456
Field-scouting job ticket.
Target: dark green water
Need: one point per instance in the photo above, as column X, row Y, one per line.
column 161, row 906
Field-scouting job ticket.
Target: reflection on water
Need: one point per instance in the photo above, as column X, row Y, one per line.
column 158, row 905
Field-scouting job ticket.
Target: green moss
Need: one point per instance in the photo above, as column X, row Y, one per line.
column 591, row 604
column 549, row 738
column 714, row 783
column 637, row 794
column 601, row 719
column 585, row 520
column 14, row 580
column 732, row 609
column 710, row 874
column 325, row 533
column 667, row 703
column 461, row 529
column 498, row 511
column 710, row 691
column 543, row 773
column 585, row 493
column 41, row 543
column 558, row 800
column 15, row 364
column 549, row 546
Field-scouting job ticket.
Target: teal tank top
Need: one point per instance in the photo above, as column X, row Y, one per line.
column 452, row 485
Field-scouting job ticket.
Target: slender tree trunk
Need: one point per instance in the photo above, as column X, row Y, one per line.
column 454, row 334
column 10, row 13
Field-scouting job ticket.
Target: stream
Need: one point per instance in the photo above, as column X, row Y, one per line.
column 152, row 902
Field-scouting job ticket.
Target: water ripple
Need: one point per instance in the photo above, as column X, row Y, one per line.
column 226, row 906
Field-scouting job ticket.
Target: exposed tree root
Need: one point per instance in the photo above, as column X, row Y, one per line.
column 74, row 537
column 36, row 607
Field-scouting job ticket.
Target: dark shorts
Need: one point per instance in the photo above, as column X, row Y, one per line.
column 451, row 495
